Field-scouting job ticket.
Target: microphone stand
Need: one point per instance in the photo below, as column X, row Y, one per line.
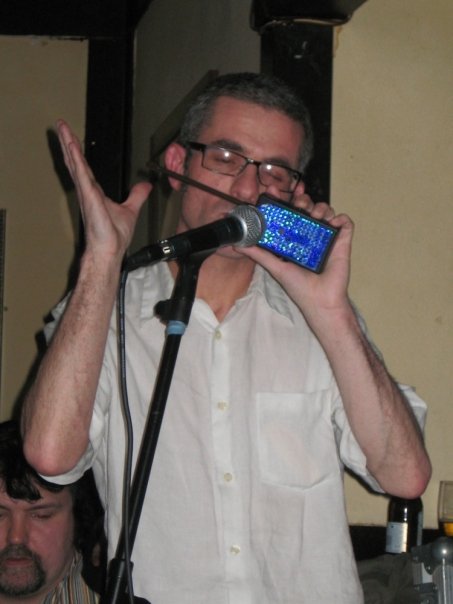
column 175, row 312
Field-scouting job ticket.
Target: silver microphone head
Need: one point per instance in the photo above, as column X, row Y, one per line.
column 253, row 224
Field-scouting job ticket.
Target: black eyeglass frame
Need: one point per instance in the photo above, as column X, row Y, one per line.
column 247, row 160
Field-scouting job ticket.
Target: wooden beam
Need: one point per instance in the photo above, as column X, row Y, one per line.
column 301, row 55
column 266, row 12
column 297, row 46
column 109, row 113
column 71, row 18
column 109, row 25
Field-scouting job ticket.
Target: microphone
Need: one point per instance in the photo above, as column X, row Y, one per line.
column 244, row 226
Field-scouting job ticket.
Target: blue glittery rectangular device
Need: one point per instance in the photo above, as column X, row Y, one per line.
column 294, row 235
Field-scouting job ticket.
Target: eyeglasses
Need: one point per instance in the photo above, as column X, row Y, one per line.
column 230, row 163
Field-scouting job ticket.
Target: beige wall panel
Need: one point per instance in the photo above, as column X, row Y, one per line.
column 392, row 172
column 41, row 80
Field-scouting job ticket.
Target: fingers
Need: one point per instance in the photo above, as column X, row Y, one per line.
column 73, row 155
column 92, row 198
column 109, row 226
column 82, row 175
column 304, row 202
column 138, row 195
column 319, row 210
column 66, row 138
column 343, row 222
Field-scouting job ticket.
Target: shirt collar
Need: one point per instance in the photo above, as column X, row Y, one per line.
column 151, row 281
column 161, row 279
column 274, row 294
column 72, row 588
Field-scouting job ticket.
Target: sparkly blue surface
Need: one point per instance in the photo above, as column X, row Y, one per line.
column 296, row 237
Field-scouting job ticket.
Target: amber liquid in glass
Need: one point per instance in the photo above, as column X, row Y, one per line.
column 447, row 527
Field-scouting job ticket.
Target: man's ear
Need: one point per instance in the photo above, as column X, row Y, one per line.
column 175, row 157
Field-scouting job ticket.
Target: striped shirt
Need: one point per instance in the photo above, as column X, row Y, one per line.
column 72, row 589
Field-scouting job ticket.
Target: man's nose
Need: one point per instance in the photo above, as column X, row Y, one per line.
column 17, row 530
column 246, row 186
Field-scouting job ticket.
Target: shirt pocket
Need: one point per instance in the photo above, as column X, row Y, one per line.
column 296, row 444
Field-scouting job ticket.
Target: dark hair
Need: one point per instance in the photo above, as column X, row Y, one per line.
column 21, row 481
column 264, row 90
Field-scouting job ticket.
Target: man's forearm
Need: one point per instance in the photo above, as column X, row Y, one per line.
column 58, row 409
column 378, row 412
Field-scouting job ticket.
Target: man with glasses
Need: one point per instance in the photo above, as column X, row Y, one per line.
column 230, row 163
column 276, row 387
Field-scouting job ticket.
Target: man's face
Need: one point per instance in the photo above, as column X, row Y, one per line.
column 255, row 132
column 36, row 542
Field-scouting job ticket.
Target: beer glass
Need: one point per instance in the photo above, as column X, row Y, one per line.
column 445, row 507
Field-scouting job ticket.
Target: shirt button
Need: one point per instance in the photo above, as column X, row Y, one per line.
column 228, row 477
column 222, row 406
column 235, row 550
column 218, row 334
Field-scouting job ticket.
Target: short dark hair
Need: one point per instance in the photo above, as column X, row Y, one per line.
column 20, row 480
column 267, row 91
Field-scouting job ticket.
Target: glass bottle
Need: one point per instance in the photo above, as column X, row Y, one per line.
column 404, row 525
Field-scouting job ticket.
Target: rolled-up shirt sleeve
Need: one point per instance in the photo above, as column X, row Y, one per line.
column 349, row 449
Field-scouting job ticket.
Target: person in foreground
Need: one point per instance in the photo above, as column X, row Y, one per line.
column 40, row 532
column 276, row 388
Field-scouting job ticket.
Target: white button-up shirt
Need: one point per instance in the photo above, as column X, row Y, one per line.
column 245, row 501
